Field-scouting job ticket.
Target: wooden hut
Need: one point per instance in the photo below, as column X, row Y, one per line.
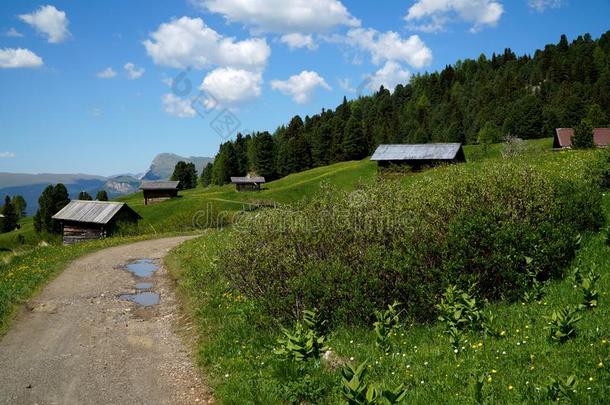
column 563, row 138
column 248, row 183
column 418, row 156
column 157, row 191
column 88, row 220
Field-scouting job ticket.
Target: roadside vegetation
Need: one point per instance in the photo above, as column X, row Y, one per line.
column 494, row 290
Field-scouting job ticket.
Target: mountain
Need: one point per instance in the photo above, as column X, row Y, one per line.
column 122, row 184
column 163, row 165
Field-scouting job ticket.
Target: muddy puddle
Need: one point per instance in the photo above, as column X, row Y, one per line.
column 143, row 270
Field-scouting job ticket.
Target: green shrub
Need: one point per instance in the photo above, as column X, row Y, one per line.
column 305, row 341
column 562, row 324
column 358, row 392
column 386, row 323
column 349, row 254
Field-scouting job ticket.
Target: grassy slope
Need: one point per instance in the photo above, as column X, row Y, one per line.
column 236, row 346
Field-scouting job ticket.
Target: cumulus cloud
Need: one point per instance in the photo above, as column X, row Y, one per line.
column 107, row 73
column 7, row 155
column 178, row 107
column 296, row 40
column 283, row 16
column 19, row 58
column 300, row 87
column 389, row 76
column 433, row 15
column 133, row 72
column 12, row 32
column 50, row 22
column 189, row 42
column 390, row 46
column 230, row 86
column 542, row 5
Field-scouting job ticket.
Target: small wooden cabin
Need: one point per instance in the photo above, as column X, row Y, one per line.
column 418, row 156
column 157, row 191
column 248, row 183
column 88, row 220
column 563, row 138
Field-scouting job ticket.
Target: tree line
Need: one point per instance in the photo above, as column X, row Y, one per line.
column 471, row 101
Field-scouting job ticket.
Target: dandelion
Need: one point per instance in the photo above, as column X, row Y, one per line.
column 493, row 371
column 489, row 379
column 510, row 387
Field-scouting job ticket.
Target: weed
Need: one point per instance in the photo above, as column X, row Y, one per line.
column 562, row 324
column 590, row 294
column 305, row 341
column 387, row 322
column 358, row 392
column 557, row 389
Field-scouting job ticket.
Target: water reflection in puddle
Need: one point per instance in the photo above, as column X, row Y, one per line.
column 142, row 268
column 144, row 299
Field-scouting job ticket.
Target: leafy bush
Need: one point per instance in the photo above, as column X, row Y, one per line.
column 590, row 294
column 349, row 254
column 305, row 341
column 387, row 322
column 562, row 324
column 357, row 392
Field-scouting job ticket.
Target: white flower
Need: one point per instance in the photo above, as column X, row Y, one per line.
column 351, row 359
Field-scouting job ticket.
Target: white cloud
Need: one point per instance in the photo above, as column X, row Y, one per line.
column 188, row 42
column 133, row 72
column 346, row 85
column 12, row 32
column 390, row 75
column 433, row 15
column 283, row 16
column 229, row 86
column 300, row 87
column 19, row 58
column 7, row 155
column 50, row 22
column 542, row 5
column 389, row 46
column 296, row 40
column 107, row 73
column 178, row 107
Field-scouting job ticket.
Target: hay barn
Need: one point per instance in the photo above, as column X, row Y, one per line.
column 418, row 156
column 157, row 191
column 89, row 220
column 248, row 183
column 563, row 138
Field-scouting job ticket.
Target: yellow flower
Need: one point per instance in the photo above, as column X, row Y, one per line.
column 489, row 379
column 510, row 387
column 493, row 371
column 600, row 365
column 590, row 378
column 503, row 333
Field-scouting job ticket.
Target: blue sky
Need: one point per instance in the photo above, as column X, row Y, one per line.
column 86, row 85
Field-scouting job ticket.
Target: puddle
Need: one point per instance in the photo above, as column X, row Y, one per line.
column 142, row 268
column 145, row 299
column 144, row 286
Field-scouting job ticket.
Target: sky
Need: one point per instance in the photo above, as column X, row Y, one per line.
column 101, row 87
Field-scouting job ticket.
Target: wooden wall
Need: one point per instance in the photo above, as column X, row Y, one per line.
column 74, row 232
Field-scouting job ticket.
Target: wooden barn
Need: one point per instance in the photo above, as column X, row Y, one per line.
column 418, row 156
column 563, row 138
column 248, row 183
column 157, row 191
column 88, row 220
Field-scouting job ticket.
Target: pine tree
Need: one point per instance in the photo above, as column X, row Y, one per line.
column 50, row 202
column 263, row 155
column 354, row 143
column 206, row 175
column 596, row 116
column 583, row 135
column 225, row 164
column 84, row 196
column 185, row 174
column 20, row 205
column 9, row 222
column 102, row 195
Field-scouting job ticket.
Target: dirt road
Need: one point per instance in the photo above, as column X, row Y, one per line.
column 82, row 342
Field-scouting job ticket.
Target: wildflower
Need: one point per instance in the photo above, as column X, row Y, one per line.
column 503, row 333
column 489, row 379
column 604, row 342
column 226, row 375
column 455, row 350
column 493, row 371
column 425, row 363
column 590, row 378
column 510, row 387
column 351, row 341
column 422, row 381
column 600, row 365
column 351, row 359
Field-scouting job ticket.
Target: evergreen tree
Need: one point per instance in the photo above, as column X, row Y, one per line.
column 206, row 175
column 20, row 205
column 52, row 199
column 185, row 174
column 263, row 155
column 583, row 135
column 85, row 196
column 102, row 195
column 225, row 164
column 10, row 219
column 596, row 116
column 487, row 135
column 354, row 142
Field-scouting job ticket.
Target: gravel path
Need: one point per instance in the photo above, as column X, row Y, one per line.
column 79, row 342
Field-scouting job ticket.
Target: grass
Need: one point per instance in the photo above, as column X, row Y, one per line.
column 237, row 340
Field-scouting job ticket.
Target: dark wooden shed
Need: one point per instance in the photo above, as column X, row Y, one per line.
column 418, row 156
column 89, row 220
column 157, row 191
column 248, row 183
column 563, row 138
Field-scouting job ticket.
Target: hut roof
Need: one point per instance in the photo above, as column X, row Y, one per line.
column 248, row 180
column 159, row 185
column 1, row 216
column 95, row 212
column 601, row 137
column 424, row 151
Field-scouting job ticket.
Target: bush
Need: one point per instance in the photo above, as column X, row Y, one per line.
column 349, row 254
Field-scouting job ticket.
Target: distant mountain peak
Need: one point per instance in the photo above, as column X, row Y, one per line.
column 163, row 165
